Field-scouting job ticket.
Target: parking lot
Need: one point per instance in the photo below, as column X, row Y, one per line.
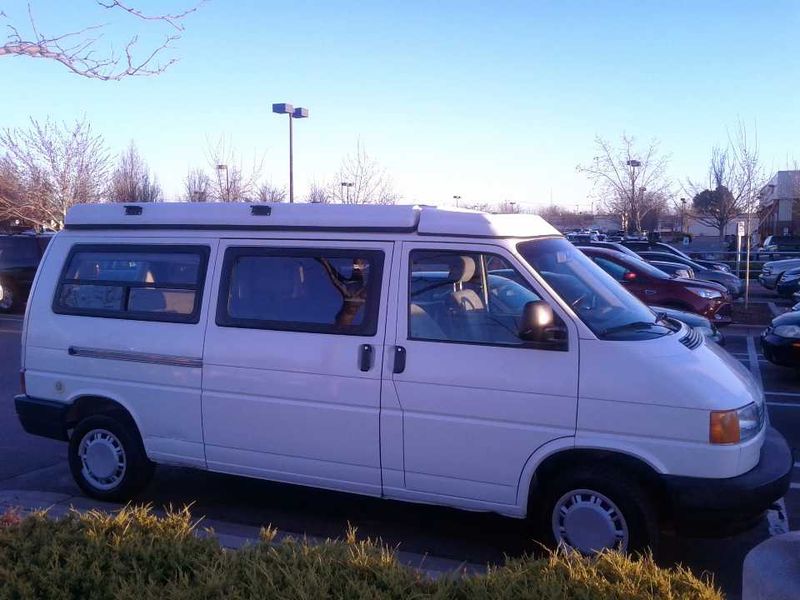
column 37, row 464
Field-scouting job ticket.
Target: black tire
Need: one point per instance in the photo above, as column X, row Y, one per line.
column 10, row 290
column 633, row 504
column 125, row 481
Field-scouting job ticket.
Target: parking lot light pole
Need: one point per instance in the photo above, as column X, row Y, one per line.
column 294, row 113
column 221, row 168
column 347, row 185
column 456, row 198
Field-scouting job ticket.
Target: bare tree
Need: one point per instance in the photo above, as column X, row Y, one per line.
column 318, row 194
column 233, row 181
column 735, row 176
column 131, row 180
column 629, row 181
column 196, row 186
column 56, row 166
column 370, row 182
column 271, row 193
column 78, row 50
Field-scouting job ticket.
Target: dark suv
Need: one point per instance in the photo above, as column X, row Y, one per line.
column 19, row 257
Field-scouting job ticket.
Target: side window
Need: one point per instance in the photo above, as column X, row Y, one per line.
column 466, row 297
column 149, row 283
column 319, row 291
column 612, row 268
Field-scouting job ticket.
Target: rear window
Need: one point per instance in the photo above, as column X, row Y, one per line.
column 18, row 251
column 149, row 283
column 319, row 291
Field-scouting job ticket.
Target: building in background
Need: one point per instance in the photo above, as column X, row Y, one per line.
column 779, row 204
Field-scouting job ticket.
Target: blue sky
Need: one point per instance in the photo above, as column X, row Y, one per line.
column 488, row 100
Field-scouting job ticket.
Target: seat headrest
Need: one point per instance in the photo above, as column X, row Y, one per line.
column 462, row 269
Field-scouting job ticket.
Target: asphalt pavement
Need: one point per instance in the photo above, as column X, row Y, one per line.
column 33, row 467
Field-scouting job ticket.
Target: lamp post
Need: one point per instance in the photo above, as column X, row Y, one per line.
column 221, row 168
column 456, row 198
column 347, row 185
column 294, row 113
column 633, row 164
column 683, row 215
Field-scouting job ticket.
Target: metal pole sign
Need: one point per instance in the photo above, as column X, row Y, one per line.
column 739, row 236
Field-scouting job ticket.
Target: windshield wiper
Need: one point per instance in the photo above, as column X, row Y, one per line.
column 633, row 325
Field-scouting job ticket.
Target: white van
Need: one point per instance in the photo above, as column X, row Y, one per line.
column 440, row 356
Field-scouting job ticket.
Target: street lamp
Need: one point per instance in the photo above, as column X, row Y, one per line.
column 221, row 168
column 347, row 185
column 456, row 198
column 294, row 113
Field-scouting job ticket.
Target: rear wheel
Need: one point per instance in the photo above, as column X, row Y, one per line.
column 107, row 458
column 591, row 510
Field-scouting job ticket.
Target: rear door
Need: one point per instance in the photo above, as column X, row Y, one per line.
column 292, row 362
column 476, row 401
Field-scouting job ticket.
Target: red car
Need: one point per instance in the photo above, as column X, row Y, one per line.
column 654, row 287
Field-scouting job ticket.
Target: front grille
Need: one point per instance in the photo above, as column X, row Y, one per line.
column 693, row 339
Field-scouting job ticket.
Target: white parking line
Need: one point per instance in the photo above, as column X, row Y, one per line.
column 786, row 404
column 795, row 394
column 752, row 356
column 795, row 486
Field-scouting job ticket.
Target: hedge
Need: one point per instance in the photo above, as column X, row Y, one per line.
column 135, row 554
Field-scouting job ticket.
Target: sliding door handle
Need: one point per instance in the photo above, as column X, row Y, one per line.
column 365, row 357
column 399, row 359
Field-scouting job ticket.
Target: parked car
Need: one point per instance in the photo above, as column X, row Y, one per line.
column 700, row 324
column 638, row 246
column 772, row 271
column 788, row 283
column 775, row 245
column 780, row 342
column 731, row 282
column 607, row 245
column 653, row 286
column 309, row 344
column 674, row 269
column 19, row 257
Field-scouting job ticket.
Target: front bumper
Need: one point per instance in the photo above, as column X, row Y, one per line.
column 45, row 418
column 780, row 350
column 739, row 498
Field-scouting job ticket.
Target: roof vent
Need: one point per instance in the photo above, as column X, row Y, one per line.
column 131, row 211
column 261, row 211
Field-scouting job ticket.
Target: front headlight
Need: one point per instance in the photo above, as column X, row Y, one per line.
column 787, row 331
column 735, row 426
column 704, row 293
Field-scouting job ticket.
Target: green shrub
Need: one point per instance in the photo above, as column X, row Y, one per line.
column 134, row 554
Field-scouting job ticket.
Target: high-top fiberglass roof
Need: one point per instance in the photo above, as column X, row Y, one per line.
column 424, row 220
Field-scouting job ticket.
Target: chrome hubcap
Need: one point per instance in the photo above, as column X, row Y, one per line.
column 102, row 459
column 588, row 521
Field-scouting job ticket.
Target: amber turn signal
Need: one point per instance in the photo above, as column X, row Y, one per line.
column 724, row 427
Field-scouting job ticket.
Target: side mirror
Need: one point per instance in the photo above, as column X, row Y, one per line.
column 541, row 326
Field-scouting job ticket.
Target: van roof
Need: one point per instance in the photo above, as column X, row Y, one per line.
column 423, row 220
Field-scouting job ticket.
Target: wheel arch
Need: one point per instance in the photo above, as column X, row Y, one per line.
column 90, row 404
column 558, row 459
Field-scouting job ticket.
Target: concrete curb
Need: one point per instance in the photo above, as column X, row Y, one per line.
column 771, row 570
column 231, row 536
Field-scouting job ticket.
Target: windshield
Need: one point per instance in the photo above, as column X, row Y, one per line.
column 603, row 304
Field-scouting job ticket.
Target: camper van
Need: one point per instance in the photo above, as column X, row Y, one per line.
column 438, row 356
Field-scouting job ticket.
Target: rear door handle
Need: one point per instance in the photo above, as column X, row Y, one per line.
column 399, row 359
column 650, row 292
column 365, row 357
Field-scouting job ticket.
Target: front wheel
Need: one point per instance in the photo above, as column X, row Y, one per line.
column 107, row 459
column 591, row 510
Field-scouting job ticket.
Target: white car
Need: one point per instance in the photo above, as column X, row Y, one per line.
column 446, row 357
